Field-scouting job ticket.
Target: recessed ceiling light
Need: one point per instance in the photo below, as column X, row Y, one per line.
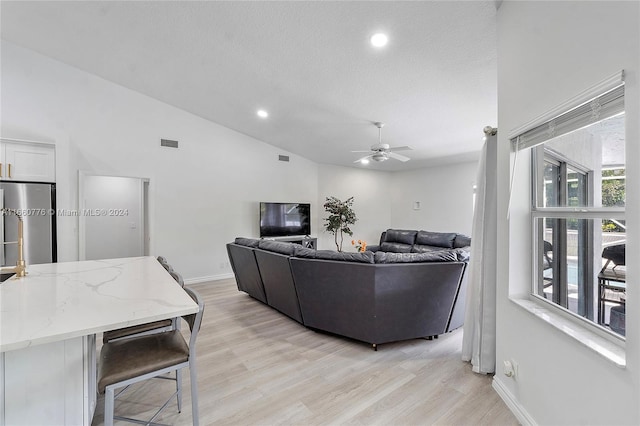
column 364, row 161
column 379, row 40
column 262, row 113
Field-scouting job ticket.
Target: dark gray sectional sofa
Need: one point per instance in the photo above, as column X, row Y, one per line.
column 375, row 297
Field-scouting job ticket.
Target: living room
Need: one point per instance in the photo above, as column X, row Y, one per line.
column 205, row 193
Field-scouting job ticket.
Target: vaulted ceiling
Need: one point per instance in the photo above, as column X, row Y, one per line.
column 309, row 64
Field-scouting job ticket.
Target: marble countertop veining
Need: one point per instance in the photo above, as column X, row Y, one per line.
column 59, row 301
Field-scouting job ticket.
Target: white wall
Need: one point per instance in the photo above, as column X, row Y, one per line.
column 445, row 195
column 549, row 52
column 202, row 195
column 372, row 195
column 205, row 193
column 386, row 199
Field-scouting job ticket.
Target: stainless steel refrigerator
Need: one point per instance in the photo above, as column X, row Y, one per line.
column 37, row 204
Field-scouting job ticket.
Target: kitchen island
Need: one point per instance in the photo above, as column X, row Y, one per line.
column 48, row 323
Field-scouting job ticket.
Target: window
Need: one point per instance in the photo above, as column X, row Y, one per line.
column 578, row 210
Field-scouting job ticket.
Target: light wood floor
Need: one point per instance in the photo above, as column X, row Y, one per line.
column 258, row 367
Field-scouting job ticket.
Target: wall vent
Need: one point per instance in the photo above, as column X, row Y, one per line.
column 169, row 143
column 283, row 157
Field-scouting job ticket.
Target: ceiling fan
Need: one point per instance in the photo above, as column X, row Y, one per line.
column 382, row 151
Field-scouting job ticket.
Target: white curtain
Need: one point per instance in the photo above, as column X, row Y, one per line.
column 479, row 340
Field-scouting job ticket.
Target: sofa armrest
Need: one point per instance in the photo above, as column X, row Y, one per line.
column 373, row 248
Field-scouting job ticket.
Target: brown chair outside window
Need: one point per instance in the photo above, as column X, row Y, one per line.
column 547, row 263
column 612, row 287
column 128, row 361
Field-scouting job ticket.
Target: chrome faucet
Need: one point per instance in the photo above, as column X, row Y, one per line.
column 21, row 266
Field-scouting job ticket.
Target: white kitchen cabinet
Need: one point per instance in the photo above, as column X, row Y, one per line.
column 27, row 161
column 58, row 378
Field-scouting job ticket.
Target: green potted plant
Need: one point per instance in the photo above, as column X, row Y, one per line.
column 340, row 217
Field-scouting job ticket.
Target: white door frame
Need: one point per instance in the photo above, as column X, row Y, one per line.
column 144, row 216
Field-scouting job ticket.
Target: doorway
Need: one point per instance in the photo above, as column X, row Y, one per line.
column 113, row 216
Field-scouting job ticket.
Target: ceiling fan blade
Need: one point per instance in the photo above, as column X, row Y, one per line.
column 362, row 151
column 363, row 158
column 400, row 148
column 398, row 156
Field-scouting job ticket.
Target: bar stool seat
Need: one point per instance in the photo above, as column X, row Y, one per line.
column 124, row 359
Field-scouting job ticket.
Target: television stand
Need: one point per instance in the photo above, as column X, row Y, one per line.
column 304, row 241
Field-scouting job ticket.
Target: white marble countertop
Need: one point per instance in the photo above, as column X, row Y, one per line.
column 59, row 301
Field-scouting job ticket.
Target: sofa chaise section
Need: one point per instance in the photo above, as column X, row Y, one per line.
column 377, row 303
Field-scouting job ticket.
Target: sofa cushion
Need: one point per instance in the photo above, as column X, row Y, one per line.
column 418, row 248
column 249, row 242
column 304, row 252
column 277, row 246
column 462, row 241
column 433, row 256
column 400, row 236
column 361, row 257
column 437, row 239
column 395, row 247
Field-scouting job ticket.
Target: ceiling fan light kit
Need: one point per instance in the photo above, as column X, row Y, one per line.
column 379, row 156
column 382, row 151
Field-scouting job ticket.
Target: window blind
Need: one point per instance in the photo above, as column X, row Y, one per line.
column 599, row 108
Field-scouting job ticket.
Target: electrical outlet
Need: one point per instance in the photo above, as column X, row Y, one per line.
column 510, row 368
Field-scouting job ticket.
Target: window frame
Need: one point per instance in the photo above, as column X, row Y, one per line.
column 603, row 342
column 539, row 214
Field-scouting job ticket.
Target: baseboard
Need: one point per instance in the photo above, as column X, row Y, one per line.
column 198, row 280
column 518, row 410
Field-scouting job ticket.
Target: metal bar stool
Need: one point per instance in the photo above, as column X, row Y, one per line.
column 127, row 361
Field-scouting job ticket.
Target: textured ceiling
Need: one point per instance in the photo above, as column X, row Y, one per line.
column 309, row 64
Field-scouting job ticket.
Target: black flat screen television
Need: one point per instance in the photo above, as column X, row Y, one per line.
column 285, row 219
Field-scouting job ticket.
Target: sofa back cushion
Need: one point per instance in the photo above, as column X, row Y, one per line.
column 249, row 242
column 361, row 257
column 400, row 236
column 462, row 241
column 277, row 247
column 304, row 252
column 436, row 239
column 433, row 256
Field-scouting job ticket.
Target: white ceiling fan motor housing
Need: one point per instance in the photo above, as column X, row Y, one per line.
column 380, row 147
